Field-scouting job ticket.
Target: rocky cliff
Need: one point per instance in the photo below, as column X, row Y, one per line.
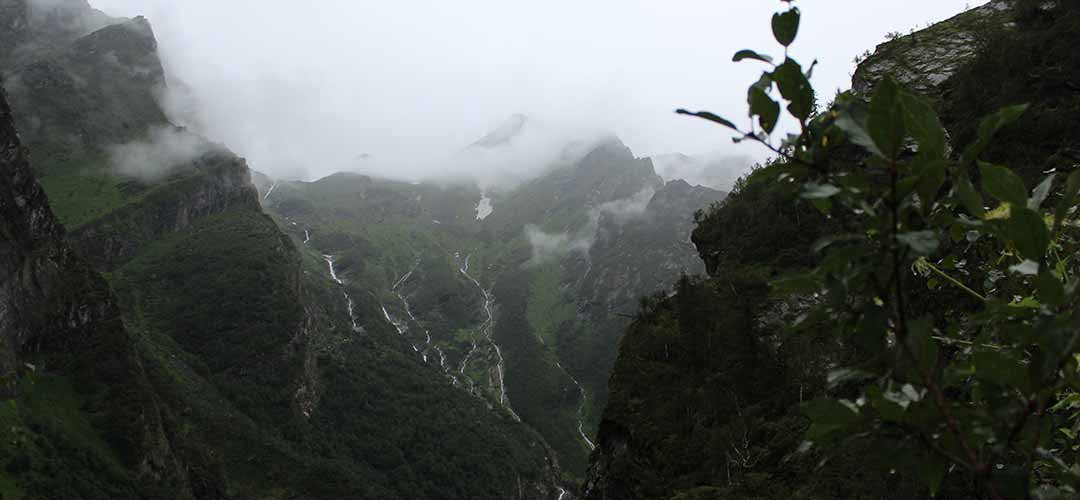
column 52, row 304
column 214, row 183
column 924, row 60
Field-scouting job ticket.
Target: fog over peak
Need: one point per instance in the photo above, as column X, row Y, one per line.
column 402, row 89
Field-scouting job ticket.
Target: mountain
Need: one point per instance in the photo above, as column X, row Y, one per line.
column 163, row 337
column 707, row 393
column 716, row 172
column 518, row 297
column 504, row 134
column 87, row 421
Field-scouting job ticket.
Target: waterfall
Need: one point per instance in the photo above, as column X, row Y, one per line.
column 487, row 334
column 348, row 300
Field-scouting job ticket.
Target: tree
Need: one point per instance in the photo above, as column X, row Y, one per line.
column 963, row 316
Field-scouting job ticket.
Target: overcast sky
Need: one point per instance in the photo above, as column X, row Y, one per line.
column 303, row 88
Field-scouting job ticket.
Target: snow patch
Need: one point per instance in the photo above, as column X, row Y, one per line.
column 485, row 207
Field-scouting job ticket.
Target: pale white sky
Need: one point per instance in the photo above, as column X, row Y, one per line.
column 308, row 86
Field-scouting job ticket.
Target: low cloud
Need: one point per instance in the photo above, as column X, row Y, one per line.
column 165, row 149
column 546, row 246
column 626, row 208
column 717, row 171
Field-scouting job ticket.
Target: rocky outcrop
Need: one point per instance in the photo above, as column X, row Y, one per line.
column 612, row 172
column 74, row 95
column 47, row 294
column 924, row 60
column 32, row 26
column 217, row 182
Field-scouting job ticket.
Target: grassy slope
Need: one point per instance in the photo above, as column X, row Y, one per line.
column 51, row 448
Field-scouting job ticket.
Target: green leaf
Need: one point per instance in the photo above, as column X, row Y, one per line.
column 1003, row 184
column 749, row 54
column 932, row 470
column 827, row 241
column 785, row 26
column 856, row 133
column 931, row 178
column 969, row 197
column 1068, row 198
column 1026, row 303
column 1050, row 289
column 709, row 116
column 1028, row 232
column 923, row 345
column 872, row 331
column 988, row 128
column 923, row 124
column 889, row 410
column 997, row 368
column 922, row 242
column 886, row 121
column 827, row 416
column 762, row 106
column 1038, row 196
column 795, row 88
column 796, row 284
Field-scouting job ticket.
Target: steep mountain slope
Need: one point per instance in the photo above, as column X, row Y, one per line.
column 228, row 364
column 520, row 300
column 86, row 424
column 727, row 422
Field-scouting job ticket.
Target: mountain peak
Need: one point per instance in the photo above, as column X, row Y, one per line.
column 66, row 19
column 504, row 134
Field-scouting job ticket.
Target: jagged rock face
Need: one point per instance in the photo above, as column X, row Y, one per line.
column 31, row 26
column 13, row 24
column 217, row 182
column 86, row 88
column 639, row 255
column 64, row 18
column 75, row 93
column 33, row 258
column 634, row 255
column 924, row 60
column 611, row 172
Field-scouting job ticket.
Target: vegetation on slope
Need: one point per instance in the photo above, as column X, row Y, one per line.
column 255, row 384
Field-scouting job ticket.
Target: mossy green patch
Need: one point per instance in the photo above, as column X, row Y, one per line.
column 549, row 308
column 81, row 192
column 51, row 449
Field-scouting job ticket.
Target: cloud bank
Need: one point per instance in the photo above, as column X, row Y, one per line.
column 546, row 246
column 303, row 89
column 153, row 158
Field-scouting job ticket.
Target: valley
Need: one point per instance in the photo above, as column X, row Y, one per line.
column 436, row 257
column 543, row 313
